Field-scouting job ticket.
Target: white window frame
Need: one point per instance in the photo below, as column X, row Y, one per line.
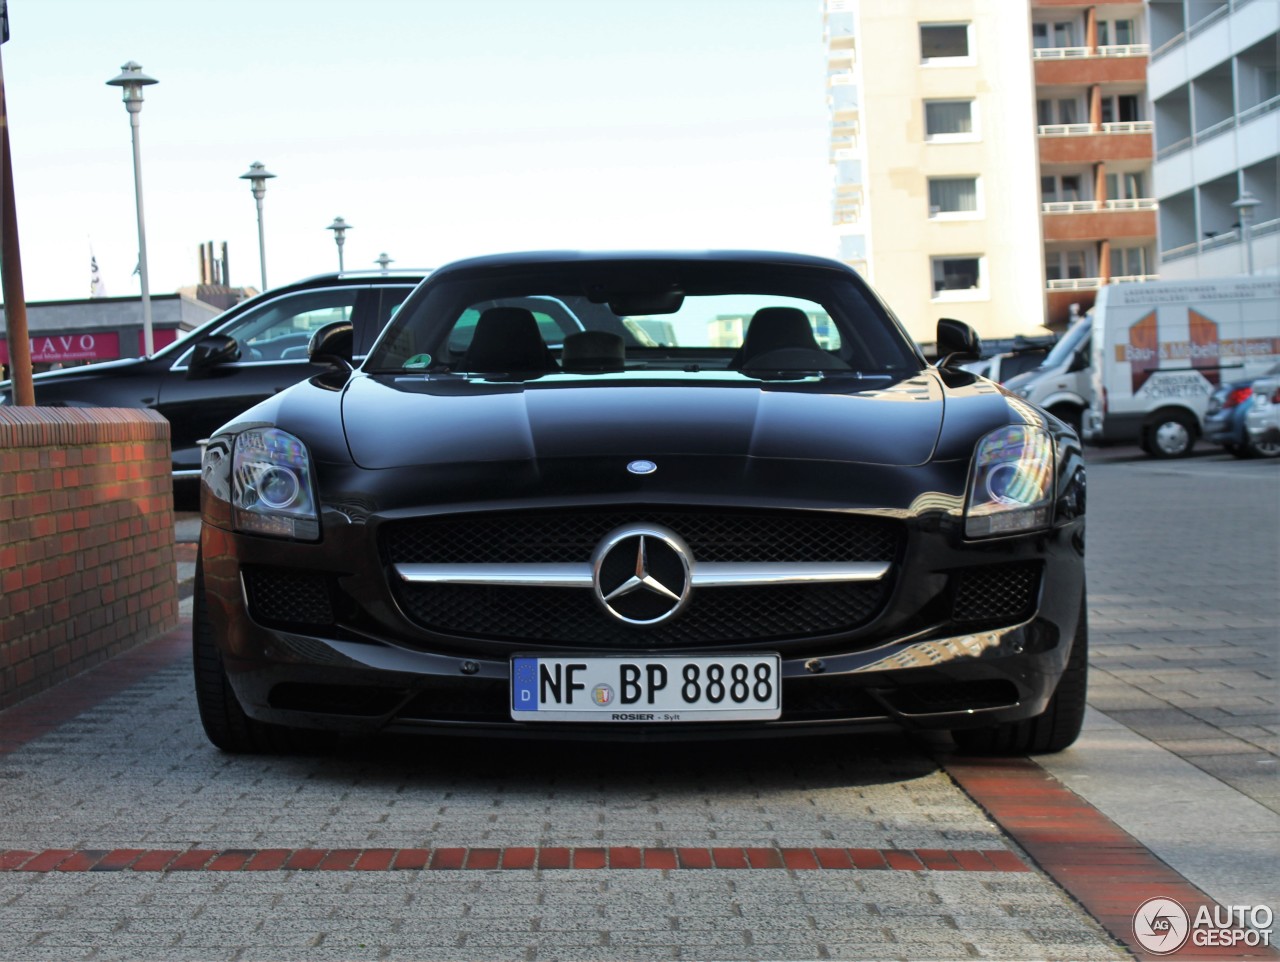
column 978, row 293
column 979, row 207
column 974, row 133
column 966, row 60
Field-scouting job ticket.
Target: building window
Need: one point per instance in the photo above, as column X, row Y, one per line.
column 1061, row 187
column 943, row 41
column 1050, row 35
column 956, row 275
column 1128, row 186
column 952, row 195
column 1124, row 108
column 948, row 120
column 1132, row 261
column 1067, row 110
column 1119, row 33
column 1066, row 265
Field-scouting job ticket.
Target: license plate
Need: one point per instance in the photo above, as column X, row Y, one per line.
column 646, row 689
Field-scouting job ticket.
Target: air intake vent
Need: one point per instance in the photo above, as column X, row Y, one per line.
column 997, row 594
column 284, row 598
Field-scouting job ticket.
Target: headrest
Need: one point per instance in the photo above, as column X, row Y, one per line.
column 507, row 339
column 774, row 328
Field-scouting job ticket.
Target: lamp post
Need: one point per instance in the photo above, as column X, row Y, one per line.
column 132, row 80
column 257, row 177
column 1244, row 205
column 384, row 261
column 339, row 228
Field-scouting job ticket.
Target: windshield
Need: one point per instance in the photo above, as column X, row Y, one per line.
column 1065, row 348
column 644, row 315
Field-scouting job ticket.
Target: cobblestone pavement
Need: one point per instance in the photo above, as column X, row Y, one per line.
column 849, row 848
column 136, row 773
column 1184, row 599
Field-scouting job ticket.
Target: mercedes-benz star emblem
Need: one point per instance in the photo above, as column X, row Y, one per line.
column 640, row 573
column 642, row 467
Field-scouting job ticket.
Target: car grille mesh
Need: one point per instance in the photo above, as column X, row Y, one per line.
column 1000, row 593
column 568, row 536
column 566, row 616
column 571, row 616
column 280, row 597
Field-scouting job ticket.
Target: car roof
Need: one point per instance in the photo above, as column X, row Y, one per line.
column 352, row 277
column 508, row 261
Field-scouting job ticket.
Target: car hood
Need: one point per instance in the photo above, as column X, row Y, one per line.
column 394, row 422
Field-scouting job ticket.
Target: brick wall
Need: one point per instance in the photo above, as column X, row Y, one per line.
column 86, row 540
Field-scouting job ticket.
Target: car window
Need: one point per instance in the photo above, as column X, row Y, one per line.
column 700, row 321
column 280, row 329
column 388, row 300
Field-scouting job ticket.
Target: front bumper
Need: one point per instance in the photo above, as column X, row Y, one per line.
column 910, row 667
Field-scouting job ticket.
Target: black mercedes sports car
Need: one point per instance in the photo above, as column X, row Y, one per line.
column 643, row 496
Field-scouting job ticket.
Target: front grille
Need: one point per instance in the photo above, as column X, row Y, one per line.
column 999, row 593
column 284, row 598
column 567, row 536
column 569, row 616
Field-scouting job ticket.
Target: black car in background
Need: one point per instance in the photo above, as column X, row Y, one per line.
column 648, row 496
column 243, row 356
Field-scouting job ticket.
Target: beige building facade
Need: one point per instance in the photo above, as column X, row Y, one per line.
column 936, row 144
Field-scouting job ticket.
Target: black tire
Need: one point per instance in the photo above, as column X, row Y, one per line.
column 1260, row 449
column 1171, row 434
column 225, row 723
column 1057, row 727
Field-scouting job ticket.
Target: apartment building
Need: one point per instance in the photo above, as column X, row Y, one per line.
column 992, row 158
column 1215, row 89
column 936, row 191
column 1094, row 142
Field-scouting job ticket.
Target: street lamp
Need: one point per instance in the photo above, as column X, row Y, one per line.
column 383, row 260
column 339, row 228
column 257, row 177
column 1245, row 204
column 132, row 80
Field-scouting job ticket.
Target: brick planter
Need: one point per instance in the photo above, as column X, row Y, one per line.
column 86, row 540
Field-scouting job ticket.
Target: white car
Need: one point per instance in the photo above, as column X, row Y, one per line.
column 1262, row 420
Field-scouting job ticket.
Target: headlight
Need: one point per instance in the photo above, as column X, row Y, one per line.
column 1011, row 483
column 271, row 487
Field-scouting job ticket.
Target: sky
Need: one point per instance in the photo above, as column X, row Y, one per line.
column 438, row 129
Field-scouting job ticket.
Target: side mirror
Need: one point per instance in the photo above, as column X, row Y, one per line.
column 333, row 344
column 1079, row 362
column 211, row 351
column 957, row 342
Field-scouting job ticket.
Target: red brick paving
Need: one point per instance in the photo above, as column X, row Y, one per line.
column 1098, row 863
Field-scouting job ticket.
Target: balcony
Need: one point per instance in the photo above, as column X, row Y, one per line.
column 1222, row 239
column 1094, row 220
column 1221, row 127
column 1089, row 144
column 1073, row 66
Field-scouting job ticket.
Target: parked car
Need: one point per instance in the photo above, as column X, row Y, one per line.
column 1262, row 420
column 772, row 518
column 1001, row 367
column 1225, row 419
column 244, row 355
